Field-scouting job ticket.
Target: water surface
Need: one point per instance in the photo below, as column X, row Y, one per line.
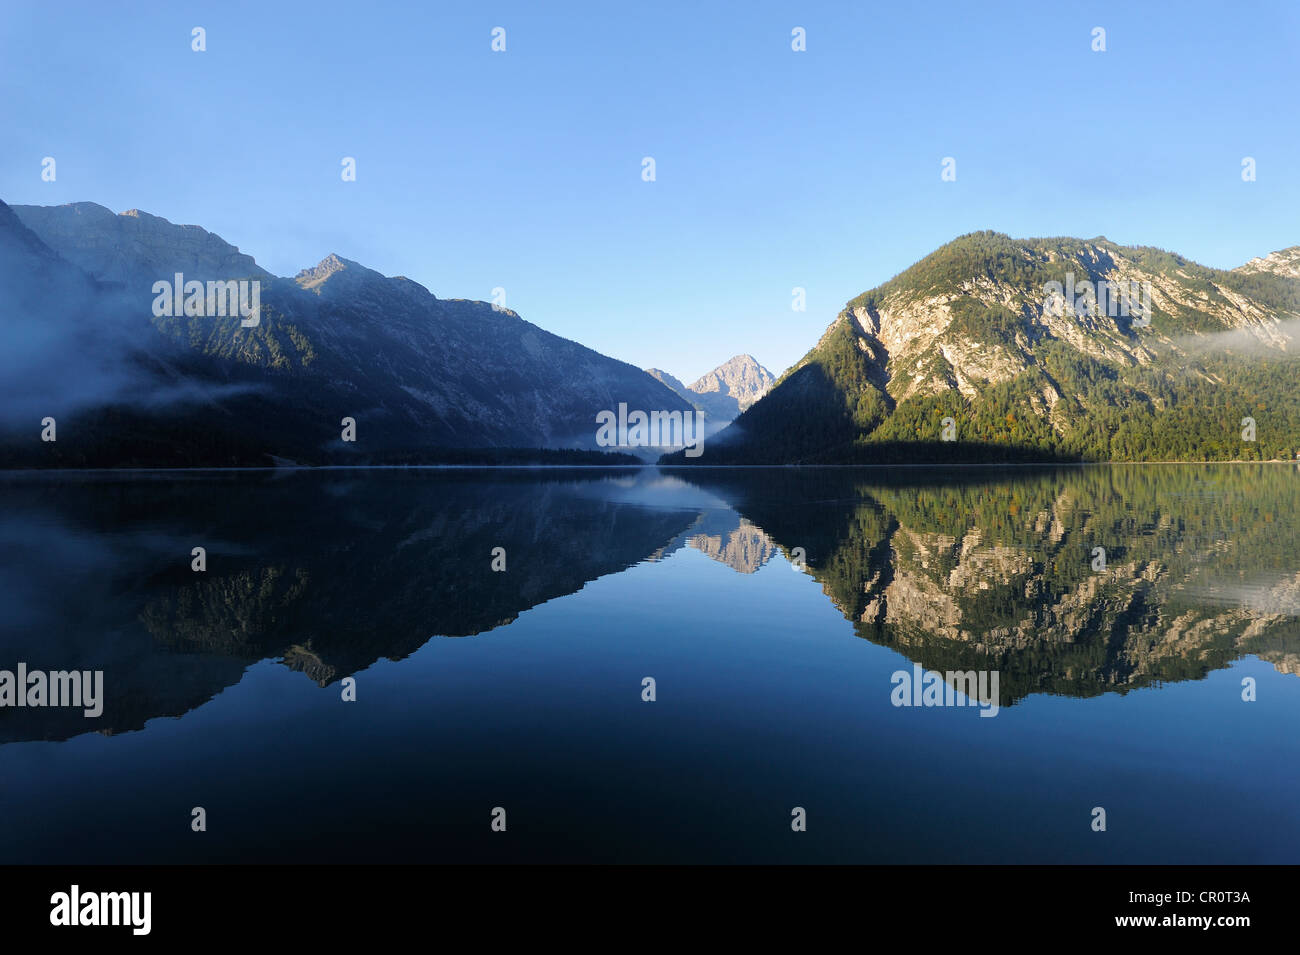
column 772, row 607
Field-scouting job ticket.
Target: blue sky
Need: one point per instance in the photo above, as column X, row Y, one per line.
column 775, row 168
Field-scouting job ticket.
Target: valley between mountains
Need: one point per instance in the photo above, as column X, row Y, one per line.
column 959, row 358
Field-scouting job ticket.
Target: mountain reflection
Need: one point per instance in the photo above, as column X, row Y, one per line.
column 978, row 569
column 329, row 572
column 326, row 572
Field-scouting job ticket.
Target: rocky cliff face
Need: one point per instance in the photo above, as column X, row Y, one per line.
column 931, row 340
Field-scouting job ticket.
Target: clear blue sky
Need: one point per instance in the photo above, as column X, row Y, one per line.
column 775, row 169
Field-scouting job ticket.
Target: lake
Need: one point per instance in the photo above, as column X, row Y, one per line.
column 1135, row 630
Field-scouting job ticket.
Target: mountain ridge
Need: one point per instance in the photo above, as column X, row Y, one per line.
column 123, row 247
column 341, row 340
column 974, row 334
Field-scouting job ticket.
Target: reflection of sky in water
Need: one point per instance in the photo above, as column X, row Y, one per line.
column 1279, row 596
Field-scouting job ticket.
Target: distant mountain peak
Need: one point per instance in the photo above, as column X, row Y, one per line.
column 741, row 378
column 665, row 378
column 725, row 391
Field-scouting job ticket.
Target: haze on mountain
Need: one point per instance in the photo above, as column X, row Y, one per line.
column 967, row 334
column 726, row 391
column 338, row 340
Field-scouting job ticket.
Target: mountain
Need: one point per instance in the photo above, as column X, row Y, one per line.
column 975, row 353
column 123, row 248
column 733, row 386
column 24, row 254
column 416, row 373
column 726, row 391
column 661, row 376
column 1285, row 263
column 58, row 344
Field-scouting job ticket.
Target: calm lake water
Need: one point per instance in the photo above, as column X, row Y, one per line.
column 772, row 608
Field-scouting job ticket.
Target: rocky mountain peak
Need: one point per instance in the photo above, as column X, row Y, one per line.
column 335, row 273
column 724, row 392
column 135, row 246
column 741, row 378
